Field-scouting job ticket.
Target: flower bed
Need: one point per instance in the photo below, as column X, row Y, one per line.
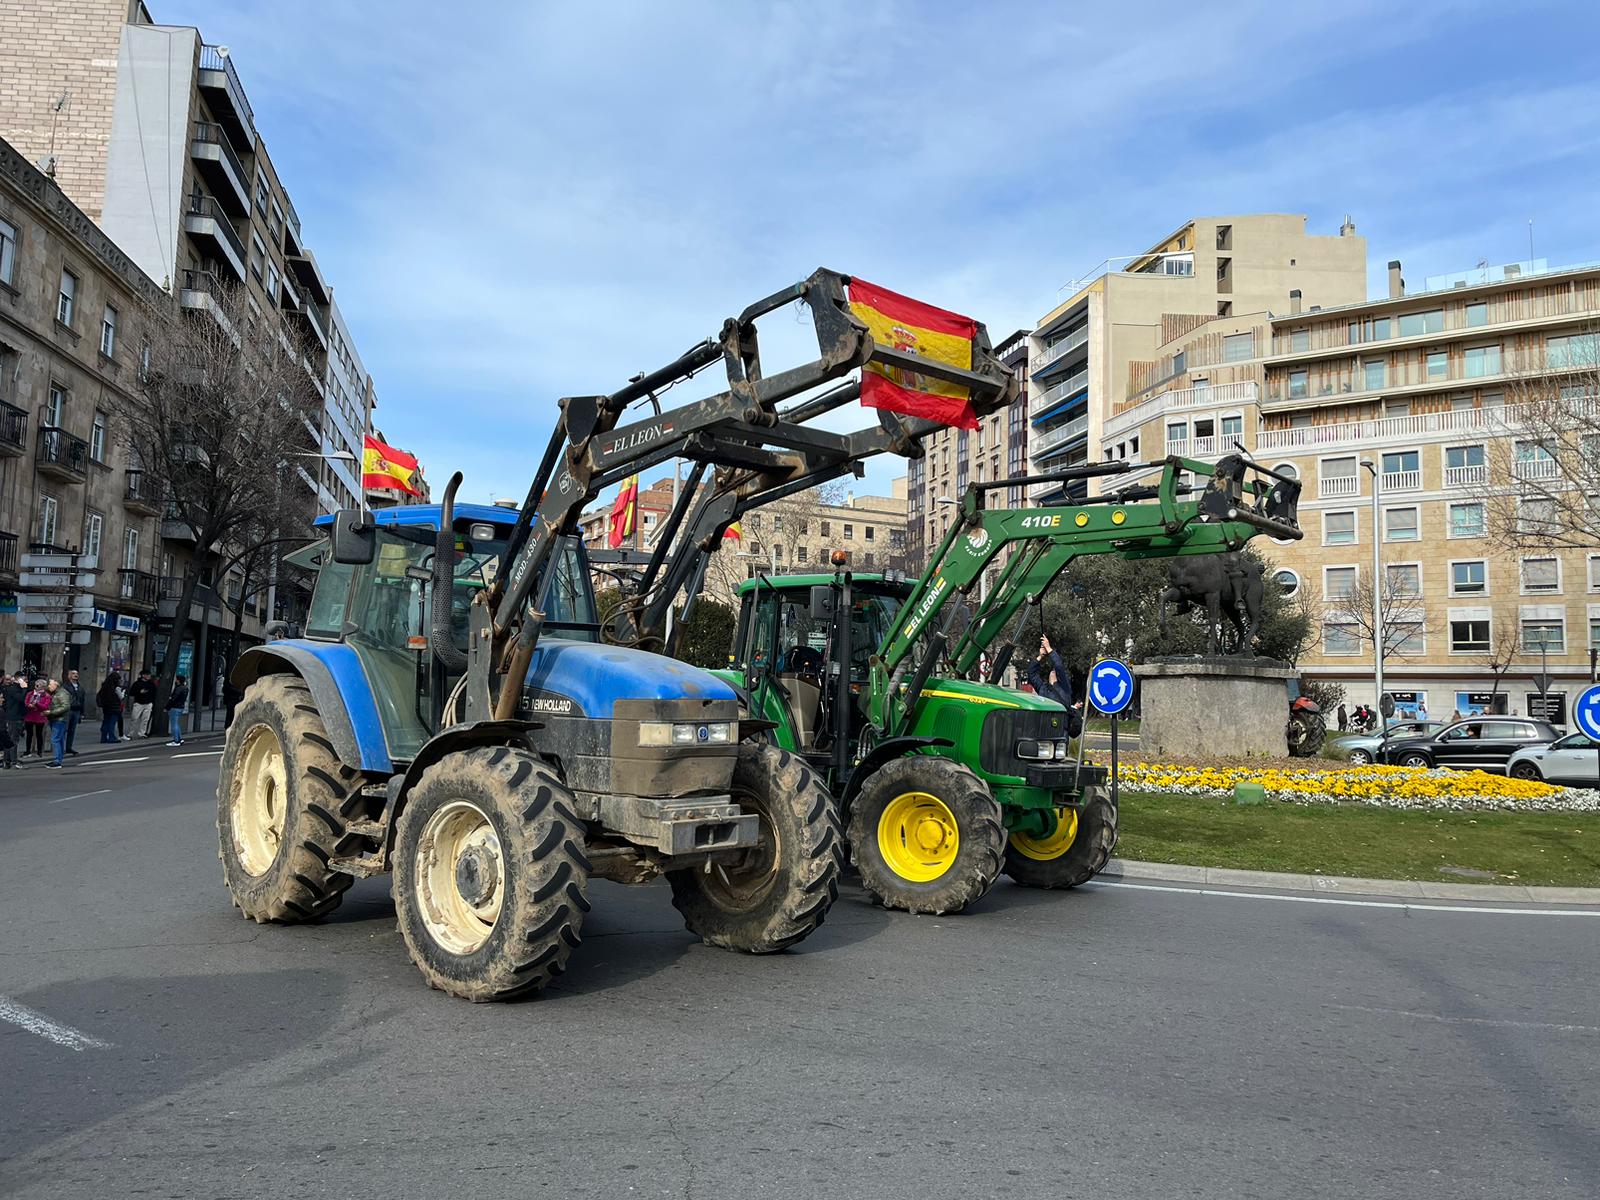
column 1380, row 786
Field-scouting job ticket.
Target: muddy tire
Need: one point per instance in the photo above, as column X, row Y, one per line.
column 490, row 877
column 1076, row 853
column 770, row 897
column 281, row 807
column 926, row 835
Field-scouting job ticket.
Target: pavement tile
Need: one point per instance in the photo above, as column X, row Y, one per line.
column 1475, row 891
column 1259, row 879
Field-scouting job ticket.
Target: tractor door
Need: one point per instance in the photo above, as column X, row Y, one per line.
column 782, row 655
column 386, row 626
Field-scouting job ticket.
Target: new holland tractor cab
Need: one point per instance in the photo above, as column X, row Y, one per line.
column 452, row 718
column 945, row 782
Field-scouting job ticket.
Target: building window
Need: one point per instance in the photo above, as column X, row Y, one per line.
column 8, row 252
column 1469, row 636
column 1594, row 572
column 1469, row 577
column 1439, row 365
column 1403, row 579
column 55, row 407
column 1594, row 633
column 97, row 438
column 1574, row 350
column 1409, row 637
column 144, row 361
column 827, row 529
column 49, row 512
column 262, row 194
column 108, row 332
column 1237, row 347
column 1482, row 360
column 849, row 533
column 1538, row 518
column 1339, row 528
column 1477, row 314
column 258, row 255
column 67, row 299
column 1541, row 575
column 1288, row 582
column 1543, row 634
column 93, row 529
column 1373, row 374
column 1400, row 525
column 1297, row 385
column 1414, row 324
column 272, row 279
column 1340, row 638
column 1233, row 425
column 1465, row 520
column 1338, row 583
column 130, row 548
column 1464, row 464
column 1300, row 341
column 869, row 532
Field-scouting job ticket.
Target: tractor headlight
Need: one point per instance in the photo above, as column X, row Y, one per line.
column 1043, row 750
column 685, row 733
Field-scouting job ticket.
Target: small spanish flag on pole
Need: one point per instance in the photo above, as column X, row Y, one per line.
column 624, row 513
column 906, row 324
column 734, row 531
column 383, row 468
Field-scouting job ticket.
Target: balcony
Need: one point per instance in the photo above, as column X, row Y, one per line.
column 61, row 456
column 220, row 167
column 173, row 527
column 170, row 593
column 1208, row 446
column 1401, row 481
column 290, row 296
column 202, row 291
column 138, row 589
column 225, row 94
column 1465, row 476
column 9, row 552
column 1051, row 353
column 13, row 430
column 1408, row 428
column 1535, row 468
column 1200, row 396
column 145, row 494
column 1058, row 438
column 208, row 225
column 293, row 245
column 313, row 319
column 1073, row 383
column 304, row 265
column 1337, row 486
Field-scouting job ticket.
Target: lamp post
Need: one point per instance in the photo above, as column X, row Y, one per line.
column 1377, row 598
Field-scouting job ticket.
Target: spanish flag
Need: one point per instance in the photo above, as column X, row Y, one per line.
column 624, row 513
column 383, row 468
column 734, row 531
column 906, row 324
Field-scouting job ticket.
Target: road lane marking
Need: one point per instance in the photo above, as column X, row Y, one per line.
column 80, row 796
column 24, row 1017
column 111, row 762
column 198, row 754
column 1407, row 905
column 1449, row 1020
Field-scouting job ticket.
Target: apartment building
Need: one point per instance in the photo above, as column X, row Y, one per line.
column 1416, row 393
column 68, row 365
column 150, row 132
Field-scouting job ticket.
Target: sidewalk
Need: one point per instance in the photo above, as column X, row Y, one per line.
column 1406, row 889
column 95, row 748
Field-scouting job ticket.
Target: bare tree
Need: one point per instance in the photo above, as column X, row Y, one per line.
column 1504, row 642
column 1540, row 482
column 226, row 400
column 1400, row 623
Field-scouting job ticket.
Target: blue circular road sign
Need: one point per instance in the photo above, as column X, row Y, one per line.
column 1110, row 686
column 1587, row 713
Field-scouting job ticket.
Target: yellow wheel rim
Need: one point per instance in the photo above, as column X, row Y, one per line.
column 918, row 836
column 1044, row 849
column 460, row 876
column 260, row 795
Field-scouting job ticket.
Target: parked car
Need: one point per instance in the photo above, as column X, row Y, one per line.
column 1362, row 748
column 1572, row 761
column 1475, row 744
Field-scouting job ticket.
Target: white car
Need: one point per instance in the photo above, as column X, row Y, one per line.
column 1572, row 760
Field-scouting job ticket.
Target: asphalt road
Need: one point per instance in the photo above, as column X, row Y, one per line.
column 1112, row 1042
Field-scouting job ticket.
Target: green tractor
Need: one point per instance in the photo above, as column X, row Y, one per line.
column 945, row 782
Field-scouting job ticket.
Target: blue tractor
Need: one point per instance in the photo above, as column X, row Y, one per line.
column 453, row 717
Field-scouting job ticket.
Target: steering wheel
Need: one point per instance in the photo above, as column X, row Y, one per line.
column 805, row 660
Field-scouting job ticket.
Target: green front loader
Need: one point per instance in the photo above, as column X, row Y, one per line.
column 944, row 781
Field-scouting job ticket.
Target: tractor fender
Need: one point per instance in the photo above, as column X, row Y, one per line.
column 338, row 685
column 883, row 752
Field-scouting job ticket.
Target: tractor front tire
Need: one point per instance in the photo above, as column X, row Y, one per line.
column 927, row 835
column 1077, row 851
column 770, row 896
column 489, row 874
column 282, row 807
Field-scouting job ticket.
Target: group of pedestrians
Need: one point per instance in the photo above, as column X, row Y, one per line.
column 36, row 710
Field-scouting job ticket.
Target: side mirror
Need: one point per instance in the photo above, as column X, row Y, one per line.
column 354, row 540
column 822, row 601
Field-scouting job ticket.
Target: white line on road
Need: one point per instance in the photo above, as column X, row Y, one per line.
column 198, row 754
column 1401, row 904
column 1449, row 1020
column 79, row 796
column 111, row 762
column 35, row 1022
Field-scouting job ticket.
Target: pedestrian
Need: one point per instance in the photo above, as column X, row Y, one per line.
column 1344, row 719
column 1422, row 710
column 143, row 696
column 60, row 714
column 36, row 715
column 122, row 708
column 74, row 691
column 13, row 691
column 109, row 698
column 175, row 706
column 1048, row 677
column 1455, row 714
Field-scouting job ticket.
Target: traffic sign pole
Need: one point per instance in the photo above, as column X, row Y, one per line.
column 1586, row 715
column 1110, row 691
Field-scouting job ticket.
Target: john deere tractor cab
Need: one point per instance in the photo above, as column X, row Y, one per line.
column 451, row 717
column 944, row 781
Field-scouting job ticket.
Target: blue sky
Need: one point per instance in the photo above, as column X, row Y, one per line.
column 517, row 202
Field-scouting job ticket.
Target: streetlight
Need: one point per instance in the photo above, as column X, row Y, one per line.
column 1377, row 599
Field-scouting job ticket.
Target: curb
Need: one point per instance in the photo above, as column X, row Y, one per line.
column 1405, row 889
column 138, row 745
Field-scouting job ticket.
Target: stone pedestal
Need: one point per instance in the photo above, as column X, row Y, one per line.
column 1215, row 707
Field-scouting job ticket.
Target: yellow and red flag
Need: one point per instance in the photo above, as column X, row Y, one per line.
column 734, row 531
column 385, row 468
column 907, row 324
column 624, row 513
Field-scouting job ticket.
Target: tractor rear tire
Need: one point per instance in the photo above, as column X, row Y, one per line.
column 489, row 874
column 281, row 806
column 773, row 895
column 927, row 835
column 1076, row 853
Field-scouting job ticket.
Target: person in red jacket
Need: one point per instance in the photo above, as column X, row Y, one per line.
column 36, row 714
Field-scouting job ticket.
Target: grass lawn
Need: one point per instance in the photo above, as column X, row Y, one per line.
column 1560, row 849
column 1103, row 725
